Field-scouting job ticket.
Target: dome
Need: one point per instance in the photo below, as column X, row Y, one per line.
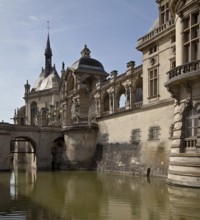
column 86, row 63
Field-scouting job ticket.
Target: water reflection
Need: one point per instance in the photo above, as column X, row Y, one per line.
column 89, row 195
column 22, row 180
column 184, row 203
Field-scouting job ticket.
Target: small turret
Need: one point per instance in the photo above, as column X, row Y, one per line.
column 85, row 52
column 27, row 88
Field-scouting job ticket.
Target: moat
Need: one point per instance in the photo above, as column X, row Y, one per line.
column 91, row 195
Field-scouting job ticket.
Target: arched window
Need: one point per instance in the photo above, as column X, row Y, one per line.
column 122, row 101
column 138, row 94
column 33, row 112
column 191, row 123
column 121, row 97
column 70, row 84
column 106, row 102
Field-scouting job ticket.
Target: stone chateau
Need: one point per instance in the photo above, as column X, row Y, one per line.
column 144, row 121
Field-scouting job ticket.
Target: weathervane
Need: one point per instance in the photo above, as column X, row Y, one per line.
column 48, row 26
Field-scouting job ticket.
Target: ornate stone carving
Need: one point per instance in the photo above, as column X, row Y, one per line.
column 75, row 111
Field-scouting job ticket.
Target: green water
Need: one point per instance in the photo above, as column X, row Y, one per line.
column 89, row 195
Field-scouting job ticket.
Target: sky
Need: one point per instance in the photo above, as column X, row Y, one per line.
column 109, row 28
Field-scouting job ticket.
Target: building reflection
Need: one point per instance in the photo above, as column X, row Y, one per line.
column 90, row 195
column 184, row 203
column 22, row 181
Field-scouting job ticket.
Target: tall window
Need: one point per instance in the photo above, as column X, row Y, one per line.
column 70, row 84
column 164, row 13
column 106, row 102
column 191, row 37
column 121, row 97
column 191, row 123
column 135, row 135
column 138, row 95
column 153, row 82
column 33, row 112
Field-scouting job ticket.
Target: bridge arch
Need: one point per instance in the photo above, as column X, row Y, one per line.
column 23, row 152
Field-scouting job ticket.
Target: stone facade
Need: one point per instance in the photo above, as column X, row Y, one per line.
column 183, row 83
column 132, row 122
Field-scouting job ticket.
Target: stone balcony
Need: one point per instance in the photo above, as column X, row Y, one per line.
column 182, row 75
column 187, row 70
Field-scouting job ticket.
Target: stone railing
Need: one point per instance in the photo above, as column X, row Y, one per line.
column 121, row 109
column 190, row 142
column 189, row 145
column 184, row 69
column 156, row 31
column 138, row 104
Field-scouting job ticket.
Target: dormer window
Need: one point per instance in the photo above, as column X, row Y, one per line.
column 164, row 13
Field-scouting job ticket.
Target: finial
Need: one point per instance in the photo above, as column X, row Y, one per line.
column 63, row 65
column 48, row 26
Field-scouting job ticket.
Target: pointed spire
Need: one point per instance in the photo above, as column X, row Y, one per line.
column 48, row 51
column 48, row 55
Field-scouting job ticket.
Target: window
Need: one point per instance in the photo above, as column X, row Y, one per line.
column 33, row 112
column 138, row 95
column 164, row 13
column 121, row 97
column 135, row 135
column 106, row 102
column 172, row 63
column 153, row 49
column 154, row 133
column 70, row 83
column 173, row 39
column 153, row 82
column 191, row 123
column 191, row 37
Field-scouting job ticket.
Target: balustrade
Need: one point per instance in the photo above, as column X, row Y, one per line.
column 190, row 144
column 138, row 104
column 184, row 69
column 156, row 31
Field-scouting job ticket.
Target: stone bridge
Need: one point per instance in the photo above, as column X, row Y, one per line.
column 39, row 139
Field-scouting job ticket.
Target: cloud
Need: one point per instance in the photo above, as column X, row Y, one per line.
column 33, row 18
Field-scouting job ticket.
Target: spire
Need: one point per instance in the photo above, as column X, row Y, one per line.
column 48, row 51
column 48, row 54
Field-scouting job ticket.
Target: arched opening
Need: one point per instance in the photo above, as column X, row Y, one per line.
column 70, row 84
column 33, row 112
column 121, row 98
column 106, row 102
column 23, row 153
column 138, row 95
column 57, row 152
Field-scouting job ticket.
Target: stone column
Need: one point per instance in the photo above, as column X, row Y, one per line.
column 111, row 100
column 128, row 97
column 97, row 104
column 179, row 41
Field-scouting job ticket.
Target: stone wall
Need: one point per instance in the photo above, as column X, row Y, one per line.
column 118, row 152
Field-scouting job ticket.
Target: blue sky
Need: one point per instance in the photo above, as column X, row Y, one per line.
column 110, row 28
